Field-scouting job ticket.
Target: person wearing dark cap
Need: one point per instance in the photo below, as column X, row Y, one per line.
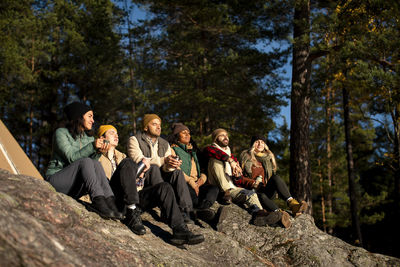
column 224, row 171
column 259, row 164
column 136, row 192
column 148, row 147
column 74, row 168
column 203, row 193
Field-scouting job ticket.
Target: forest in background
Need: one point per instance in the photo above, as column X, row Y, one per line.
column 216, row 64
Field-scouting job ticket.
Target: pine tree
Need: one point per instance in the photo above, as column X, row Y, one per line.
column 203, row 68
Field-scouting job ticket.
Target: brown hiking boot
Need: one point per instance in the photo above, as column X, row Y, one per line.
column 296, row 207
column 285, row 220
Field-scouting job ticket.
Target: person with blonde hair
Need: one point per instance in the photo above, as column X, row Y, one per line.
column 225, row 172
column 259, row 164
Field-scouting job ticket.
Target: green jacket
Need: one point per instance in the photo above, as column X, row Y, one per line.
column 186, row 158
column 66, row 150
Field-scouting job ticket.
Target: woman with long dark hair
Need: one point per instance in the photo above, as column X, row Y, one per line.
column 74, row 168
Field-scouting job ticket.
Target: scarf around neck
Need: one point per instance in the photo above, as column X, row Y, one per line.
column 227, row 150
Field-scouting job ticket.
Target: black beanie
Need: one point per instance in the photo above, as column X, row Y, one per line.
column 257, row 137
column 76, row 110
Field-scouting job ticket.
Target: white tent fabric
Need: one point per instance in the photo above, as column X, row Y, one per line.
column 12, row 157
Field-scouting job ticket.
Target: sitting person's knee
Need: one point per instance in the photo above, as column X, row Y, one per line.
column 85, row 161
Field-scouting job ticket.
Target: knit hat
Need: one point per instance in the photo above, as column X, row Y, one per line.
column 148, row 118
column 76, row 110
column 104, row 128
column 178, row 127
column 216, row 133
column 254, row 138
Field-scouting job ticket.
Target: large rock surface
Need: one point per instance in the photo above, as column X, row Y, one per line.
column 40, row 227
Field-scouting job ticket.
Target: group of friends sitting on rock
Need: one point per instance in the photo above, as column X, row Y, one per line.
column 174, row 175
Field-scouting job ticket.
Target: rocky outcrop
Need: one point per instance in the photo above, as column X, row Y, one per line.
column 40, row 227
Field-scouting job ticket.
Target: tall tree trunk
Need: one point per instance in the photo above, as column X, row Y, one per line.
column 396, row 125
column 329, row 120
column 30, row 144
column 321, row 191
column 300, row 173
column 30, row 105
column 131, row 70
column 350, row 169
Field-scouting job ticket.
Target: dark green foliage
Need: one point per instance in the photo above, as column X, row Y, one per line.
column 54, row 52
column 207, row 70
column 216, row 64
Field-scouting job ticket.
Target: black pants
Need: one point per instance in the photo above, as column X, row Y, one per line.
column 207, row 196
column 123, row 181
column 161, row 195
column 82, row 176
column 177, row 180
column 155, row 193
column 275, row 185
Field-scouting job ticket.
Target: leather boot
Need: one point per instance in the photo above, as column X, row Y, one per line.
column 263, row 218
column 296, row 207
column 206, row 215
column 226, row 198
column 186, row 217
column 182, row 235
column 99, row 205
column 134, row 221
column 111, row 204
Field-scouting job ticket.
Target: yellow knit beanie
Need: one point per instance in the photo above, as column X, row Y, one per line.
column 104, row 128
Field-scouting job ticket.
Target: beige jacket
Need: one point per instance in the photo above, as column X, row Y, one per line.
column 136, row 154
column 105, row 161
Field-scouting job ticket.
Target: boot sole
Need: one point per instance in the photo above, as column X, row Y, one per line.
column 138, row 232
column 179, row 242
column 285, row 219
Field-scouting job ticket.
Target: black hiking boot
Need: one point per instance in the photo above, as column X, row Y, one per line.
column 263, row 218
column 225, row 198
column 134, row 221
column 99, row 205
column 182, row 235
column 186, row 218
column 206, row 215
column 111, row 204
